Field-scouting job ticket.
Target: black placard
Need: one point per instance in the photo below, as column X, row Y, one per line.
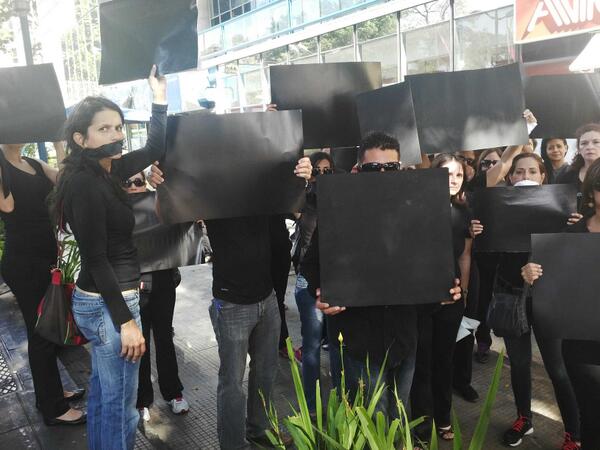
column 563, row 103
column 344, row 158
column 511, row 214
column 470, row 109
column 385, row 238
column 566, row 299
column 136, row 34
column 159, row 246
column 326, row 94
column 391, row 110
column 231, row 165
column 31, row 105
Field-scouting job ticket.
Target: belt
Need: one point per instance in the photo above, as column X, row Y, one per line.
column 98, row 295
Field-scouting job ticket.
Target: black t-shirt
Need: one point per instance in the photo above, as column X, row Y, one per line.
column 569, row 176
column 461, row 218
column 241, row 258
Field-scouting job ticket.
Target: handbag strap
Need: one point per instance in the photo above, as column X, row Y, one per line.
column 59, row 246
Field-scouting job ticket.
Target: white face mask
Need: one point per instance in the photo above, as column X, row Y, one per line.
column 527, row 183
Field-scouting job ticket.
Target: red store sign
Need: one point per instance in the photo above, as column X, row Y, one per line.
column 537, row 20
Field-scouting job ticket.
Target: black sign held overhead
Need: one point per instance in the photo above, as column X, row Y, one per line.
column 344, row 158
column 31, row 105
column 231, row 165
column 136, row 34
column 391, row 110
column 159, row 246
column 470, row 109
column 509, row 215
column 383, row 235
column 566, row 299
column 326, row 95
column 563, row 103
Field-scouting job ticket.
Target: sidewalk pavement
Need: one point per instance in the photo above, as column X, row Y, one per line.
column 21, row 426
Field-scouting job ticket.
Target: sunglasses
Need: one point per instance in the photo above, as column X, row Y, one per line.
column 376, row 167
column 316, row 171
column 468, row 161
column 138, row 182
column 488, row 163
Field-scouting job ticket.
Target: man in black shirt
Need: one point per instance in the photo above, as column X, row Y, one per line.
column 245, row 318
column 373, row 330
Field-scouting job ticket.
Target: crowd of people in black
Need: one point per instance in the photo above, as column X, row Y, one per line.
column 413, row 347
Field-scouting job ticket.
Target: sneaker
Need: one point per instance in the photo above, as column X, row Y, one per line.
column 520, row 428
column 179, row 406
column 467, row 393
column 144, row 414
column 570, row 444
column 482, row 355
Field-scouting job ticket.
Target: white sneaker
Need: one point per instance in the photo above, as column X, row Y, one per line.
column 144, row 414
column 179, row 405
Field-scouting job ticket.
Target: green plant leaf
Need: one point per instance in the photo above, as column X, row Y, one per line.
column 368, row 428
column 457, row 443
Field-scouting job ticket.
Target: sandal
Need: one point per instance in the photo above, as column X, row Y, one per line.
column 446, row 433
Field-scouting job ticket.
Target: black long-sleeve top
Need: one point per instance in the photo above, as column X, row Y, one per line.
column 102, row 222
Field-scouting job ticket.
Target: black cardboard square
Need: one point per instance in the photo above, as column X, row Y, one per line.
column 326, row 94
column 509, row 214
column 391, row 110
column 159, row 246
column 31, row 105
column 385, row 238
column 566, row 299
column 563, row 103
column 231, row 165
column 136, row 34
column 344, row 158
column 470, row 109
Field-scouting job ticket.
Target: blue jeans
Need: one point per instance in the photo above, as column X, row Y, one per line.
column 243, row 330
column 112, row 416
column 399, row 377
column 311, row 320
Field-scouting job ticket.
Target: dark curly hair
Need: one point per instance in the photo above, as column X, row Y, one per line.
column 378, row 140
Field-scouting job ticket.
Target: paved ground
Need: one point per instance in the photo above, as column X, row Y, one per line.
column 21, row 426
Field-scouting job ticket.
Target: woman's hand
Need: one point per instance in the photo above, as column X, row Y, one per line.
column 304, row 168
column 155, row 175
column 531, row 272
column 158, row 86
column 133, row 344
column 325, row 308
column 575, row 217
column 529, row 117
column 271, row 107
column 475, row 229
column 455, row 293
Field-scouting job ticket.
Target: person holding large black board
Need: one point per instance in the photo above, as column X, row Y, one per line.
column 528, row 169
column 89, row 197
column 394, row 338
column 29, row 253
column 582, row 358
column 588, row 151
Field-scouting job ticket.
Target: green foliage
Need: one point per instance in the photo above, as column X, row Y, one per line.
column 378, row 27
column 70, row 260
column 354, row 424
column 6, row 34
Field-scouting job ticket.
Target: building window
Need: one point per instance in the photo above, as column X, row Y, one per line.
column 304, row 52
column 338, row 45
column 251, row 77
column 377, row 41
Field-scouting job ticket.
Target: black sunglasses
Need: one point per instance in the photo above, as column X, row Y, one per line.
column 316, row 171
column 468, row 161
column 138, row 182
column 376, row 167
column 488, row 162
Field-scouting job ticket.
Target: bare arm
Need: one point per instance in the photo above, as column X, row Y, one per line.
column 60, row 152
column 50, row 172
column 496, row 174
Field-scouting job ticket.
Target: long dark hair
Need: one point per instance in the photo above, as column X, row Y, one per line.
column 578, row 161
column 544, row 153
column 77, row 159
column 445, row 158
column 592, row 178
column 538, row 159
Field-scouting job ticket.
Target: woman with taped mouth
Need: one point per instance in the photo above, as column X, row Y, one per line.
column 528, row 169
column 90, row 199
column 588, row 151
column 582, row 358
column 29, row 253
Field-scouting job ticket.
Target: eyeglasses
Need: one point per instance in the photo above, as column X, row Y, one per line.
column 317, row 171
column 468, row 161
column 138, row 182
column 376, row 167
column 487, row 163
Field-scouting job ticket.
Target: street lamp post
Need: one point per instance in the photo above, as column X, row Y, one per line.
column 21, row 8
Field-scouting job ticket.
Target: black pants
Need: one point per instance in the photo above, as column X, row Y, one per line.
column 280, row 271
column 28, row 278
column 582, row 360
column 519, row 355
column 157, row 316
column 431, row 393
column 487, row 264
column 463, row 351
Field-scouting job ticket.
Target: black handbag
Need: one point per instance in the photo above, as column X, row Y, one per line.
column 507, row 314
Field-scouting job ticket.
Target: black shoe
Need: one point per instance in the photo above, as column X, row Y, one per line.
column 77, row 395
column 520, row 428
column 467, row 393
column 482, row 355
column 53, row 421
